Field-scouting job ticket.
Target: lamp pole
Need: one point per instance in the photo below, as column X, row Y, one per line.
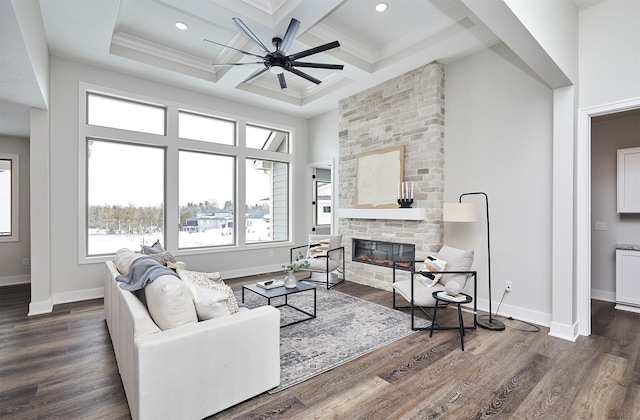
column 490, row 324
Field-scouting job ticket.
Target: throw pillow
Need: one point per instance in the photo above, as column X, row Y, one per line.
column 156, row 248
column 431, row 271
column 163, row 257
column 457, row 260
column 211, row 296
column 123, row 260
column 317, row 242
column 318, row 248
column 169, row 302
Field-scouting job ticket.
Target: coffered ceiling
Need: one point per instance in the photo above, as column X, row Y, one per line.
column 139, row 37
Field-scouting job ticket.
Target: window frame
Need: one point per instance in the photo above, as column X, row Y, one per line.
column 15, row 197
column 172, row 143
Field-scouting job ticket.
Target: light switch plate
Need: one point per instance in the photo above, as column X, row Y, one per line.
column 601, row 225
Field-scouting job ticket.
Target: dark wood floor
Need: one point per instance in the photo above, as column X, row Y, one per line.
column 62, row 366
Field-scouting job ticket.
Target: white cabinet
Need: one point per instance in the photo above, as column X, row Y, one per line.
column 629, row 180
column 628, row 280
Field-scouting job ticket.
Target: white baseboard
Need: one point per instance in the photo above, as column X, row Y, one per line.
column 628, row 308
column 251, row 271
column 39, row 308
column 78, row 295
column 46, row 306
column 11, row 280
column 564, row 331
column 603, row 295
column 522, row 314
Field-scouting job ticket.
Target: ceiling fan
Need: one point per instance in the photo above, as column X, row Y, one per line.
column 278, row 61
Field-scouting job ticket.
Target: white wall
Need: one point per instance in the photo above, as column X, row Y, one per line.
column 609, row 66
column 554, row 24
column 71, row 280
column 609, row 52
column 323, row 137
column 498, row 139
column 606, row 137
column 11, row 253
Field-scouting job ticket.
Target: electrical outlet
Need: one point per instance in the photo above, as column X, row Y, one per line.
column 25, row 261
column 508, row 286
column 271, row 253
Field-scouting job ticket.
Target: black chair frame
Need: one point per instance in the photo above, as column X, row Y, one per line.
column 329, row 284
column 440, row 304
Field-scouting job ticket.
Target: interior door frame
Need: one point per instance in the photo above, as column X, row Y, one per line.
column 583, row 206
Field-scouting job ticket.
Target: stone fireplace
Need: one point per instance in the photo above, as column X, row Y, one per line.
column 407, row 110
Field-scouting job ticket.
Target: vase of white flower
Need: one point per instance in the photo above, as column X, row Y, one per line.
column 290, row 281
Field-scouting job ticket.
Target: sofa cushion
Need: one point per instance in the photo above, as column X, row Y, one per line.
column 212, row 298
column 169, row 302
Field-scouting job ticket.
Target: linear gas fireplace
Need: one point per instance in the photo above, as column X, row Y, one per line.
column 383, row 253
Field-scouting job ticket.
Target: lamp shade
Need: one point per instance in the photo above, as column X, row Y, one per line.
column 460, row 212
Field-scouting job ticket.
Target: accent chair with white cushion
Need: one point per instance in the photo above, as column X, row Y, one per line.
column 325, row 254
column 425, row 279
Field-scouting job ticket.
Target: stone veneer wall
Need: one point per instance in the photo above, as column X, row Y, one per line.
column 409, row 111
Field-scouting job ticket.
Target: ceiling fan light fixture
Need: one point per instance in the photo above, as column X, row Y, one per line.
column 381, row 7
column 280, row 60
column 181, row 25
column 276, row 69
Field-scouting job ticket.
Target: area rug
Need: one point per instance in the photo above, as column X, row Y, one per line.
column 344, row 329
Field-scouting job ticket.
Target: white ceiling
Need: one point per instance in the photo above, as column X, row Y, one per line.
column 138, row 37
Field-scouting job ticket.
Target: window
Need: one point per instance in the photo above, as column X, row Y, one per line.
column 125, row 196
column 126, row 115
column 205, row 128
column 9, row 197
column 267, row 201
column 267, row 139
column 206, row 199
column 165, row 172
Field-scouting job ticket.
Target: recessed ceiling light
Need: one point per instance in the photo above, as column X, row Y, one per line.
column 381, row 7
column 181, row 25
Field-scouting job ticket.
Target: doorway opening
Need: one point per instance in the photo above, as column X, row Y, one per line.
column 322, row 198
column 584, row 203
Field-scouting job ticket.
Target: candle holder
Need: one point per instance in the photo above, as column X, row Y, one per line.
column 405, row 203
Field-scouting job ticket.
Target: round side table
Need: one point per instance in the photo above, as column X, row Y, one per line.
column 442, row 297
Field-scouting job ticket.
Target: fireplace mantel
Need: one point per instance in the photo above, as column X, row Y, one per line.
column 386, row 214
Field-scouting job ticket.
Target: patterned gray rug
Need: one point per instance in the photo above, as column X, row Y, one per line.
column 344, row 329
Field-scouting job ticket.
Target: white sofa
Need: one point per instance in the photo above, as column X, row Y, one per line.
column 195, row 370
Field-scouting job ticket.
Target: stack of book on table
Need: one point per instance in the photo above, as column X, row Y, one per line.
column 270, row 284
column 446, row 296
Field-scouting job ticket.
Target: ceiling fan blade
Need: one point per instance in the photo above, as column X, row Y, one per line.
column 289, row 35
column 304, row 75
column 315, row 50
column 250, row 34
column 283, row 83
column 254, row 75
column 237, row 64
column 235, row 49
column 317, row 65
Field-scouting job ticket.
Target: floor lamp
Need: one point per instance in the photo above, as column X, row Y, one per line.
column 467, row 212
